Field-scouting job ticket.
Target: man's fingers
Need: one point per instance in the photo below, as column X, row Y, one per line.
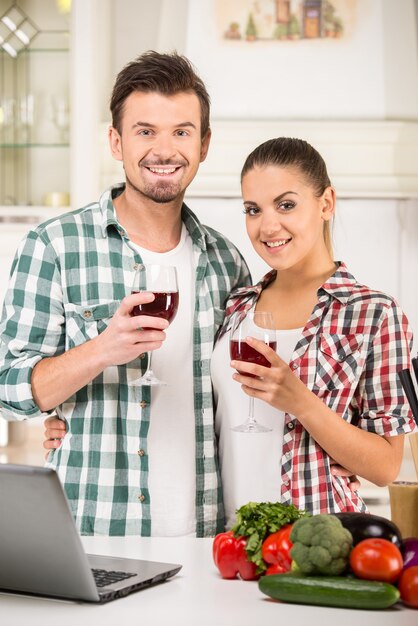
column 146, row 323
column 134, row 299
column 52, row 433
column 51, row 444
column 54, row 422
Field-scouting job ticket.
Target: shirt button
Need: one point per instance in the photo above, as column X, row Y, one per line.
column 290, row 426
column 294, row 366
column 286, row 483
column 141, row 452
column 122, row 233
column 143, row 404
column 143, row 355
column 340, row 356
column 135, row 267
column 141, row 497
column 87, row 314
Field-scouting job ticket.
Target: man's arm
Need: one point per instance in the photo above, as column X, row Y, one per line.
column 55, row 379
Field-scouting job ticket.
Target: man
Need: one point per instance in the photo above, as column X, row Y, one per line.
column 133, row 461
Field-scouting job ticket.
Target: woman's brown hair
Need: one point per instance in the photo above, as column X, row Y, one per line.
column 299, row 154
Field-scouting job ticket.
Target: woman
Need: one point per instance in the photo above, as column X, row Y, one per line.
column 332, row 390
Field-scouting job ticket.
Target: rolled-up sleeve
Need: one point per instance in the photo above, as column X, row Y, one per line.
column 384, row 406
column 32, row 324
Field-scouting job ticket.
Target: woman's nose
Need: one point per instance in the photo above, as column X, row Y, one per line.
column 270, row 223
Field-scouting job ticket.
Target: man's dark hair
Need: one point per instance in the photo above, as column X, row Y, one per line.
column 167, row 74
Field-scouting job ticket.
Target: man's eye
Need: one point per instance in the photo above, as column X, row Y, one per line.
column 182, row 133
column 145, row 132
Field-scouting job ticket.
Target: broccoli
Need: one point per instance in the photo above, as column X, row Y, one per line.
column 321, row 545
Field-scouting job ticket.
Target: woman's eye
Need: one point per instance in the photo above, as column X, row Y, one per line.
column 286, row 205
column 251, row 210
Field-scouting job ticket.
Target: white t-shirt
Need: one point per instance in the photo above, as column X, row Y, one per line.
column 250, row 462
column 171, row 436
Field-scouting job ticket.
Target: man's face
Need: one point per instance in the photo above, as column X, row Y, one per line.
column 160, row 143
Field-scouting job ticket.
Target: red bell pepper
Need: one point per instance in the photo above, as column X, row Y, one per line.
column 230, row 557
column 276, row 549
column 276, row 568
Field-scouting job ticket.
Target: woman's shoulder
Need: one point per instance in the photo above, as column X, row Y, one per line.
column 358, row 292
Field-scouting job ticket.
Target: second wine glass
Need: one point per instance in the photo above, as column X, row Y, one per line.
column 259, row 325
column 161, row 280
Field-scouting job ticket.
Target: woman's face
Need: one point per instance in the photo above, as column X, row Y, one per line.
column 284, row 218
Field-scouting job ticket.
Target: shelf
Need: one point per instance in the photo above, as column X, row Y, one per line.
column 34, row 145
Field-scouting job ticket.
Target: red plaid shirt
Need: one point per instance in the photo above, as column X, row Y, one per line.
column 349, row 353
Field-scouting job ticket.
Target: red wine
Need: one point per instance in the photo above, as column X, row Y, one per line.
column 241, row 351
column 165, row 305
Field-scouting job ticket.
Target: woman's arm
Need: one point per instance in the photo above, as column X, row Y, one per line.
column 375, row 457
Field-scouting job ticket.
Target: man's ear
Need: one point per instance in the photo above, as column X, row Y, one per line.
column 328, row 201
column 205, row 145
column 115, row 143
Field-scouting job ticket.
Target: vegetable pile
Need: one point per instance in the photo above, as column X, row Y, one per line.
column 258, row 520
column 352, row 560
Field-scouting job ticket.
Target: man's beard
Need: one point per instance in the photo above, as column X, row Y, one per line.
column 161, row 193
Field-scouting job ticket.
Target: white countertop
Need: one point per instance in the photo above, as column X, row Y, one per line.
column 197, row 596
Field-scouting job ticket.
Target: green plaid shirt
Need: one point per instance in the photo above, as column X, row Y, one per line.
column 67, row 280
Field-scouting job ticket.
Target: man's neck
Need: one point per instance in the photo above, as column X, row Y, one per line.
column 151, row 225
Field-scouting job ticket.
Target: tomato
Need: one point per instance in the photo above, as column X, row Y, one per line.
column 408, row 586
column 376, row 559
column 276, row 548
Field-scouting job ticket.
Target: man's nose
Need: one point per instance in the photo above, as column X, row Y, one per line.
column 163, row 147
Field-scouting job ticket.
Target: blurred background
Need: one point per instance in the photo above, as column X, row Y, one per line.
column 342, row 75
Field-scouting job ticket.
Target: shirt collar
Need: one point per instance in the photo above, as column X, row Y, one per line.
column 339, row 286
column 200, row 235
column 107, row 208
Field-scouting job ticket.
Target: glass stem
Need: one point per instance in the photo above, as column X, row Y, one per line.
column 148, row 371
column 251, row 419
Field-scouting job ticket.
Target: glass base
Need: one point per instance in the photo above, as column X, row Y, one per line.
column 147, row 380
column 251, row 427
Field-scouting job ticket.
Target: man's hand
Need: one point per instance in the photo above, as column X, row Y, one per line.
column 55, row 379
column 54, row 433
column 127, row 336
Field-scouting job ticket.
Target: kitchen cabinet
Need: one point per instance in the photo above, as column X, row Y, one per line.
column 34, row 107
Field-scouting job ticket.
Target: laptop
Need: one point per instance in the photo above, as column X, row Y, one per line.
column 41, row 551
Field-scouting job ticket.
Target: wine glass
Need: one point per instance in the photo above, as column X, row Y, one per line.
column 61, row 116
column 259, row 325
column 162, row 281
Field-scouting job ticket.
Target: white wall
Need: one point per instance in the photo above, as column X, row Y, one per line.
column 371, row 75
column 377, row 239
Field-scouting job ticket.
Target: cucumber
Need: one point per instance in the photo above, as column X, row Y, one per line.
column 339, row 591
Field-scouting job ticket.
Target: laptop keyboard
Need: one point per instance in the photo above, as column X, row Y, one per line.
column 104, row 578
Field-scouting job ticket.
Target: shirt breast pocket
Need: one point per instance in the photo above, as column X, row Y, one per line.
column 87, row 321
column 339, row 358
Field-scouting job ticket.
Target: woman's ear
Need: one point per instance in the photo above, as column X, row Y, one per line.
column 328, row 201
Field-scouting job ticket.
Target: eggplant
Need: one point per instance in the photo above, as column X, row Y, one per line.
column 365, row 525
column 409, row 551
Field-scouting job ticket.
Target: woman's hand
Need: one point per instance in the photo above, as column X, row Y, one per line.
column 276, row 385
